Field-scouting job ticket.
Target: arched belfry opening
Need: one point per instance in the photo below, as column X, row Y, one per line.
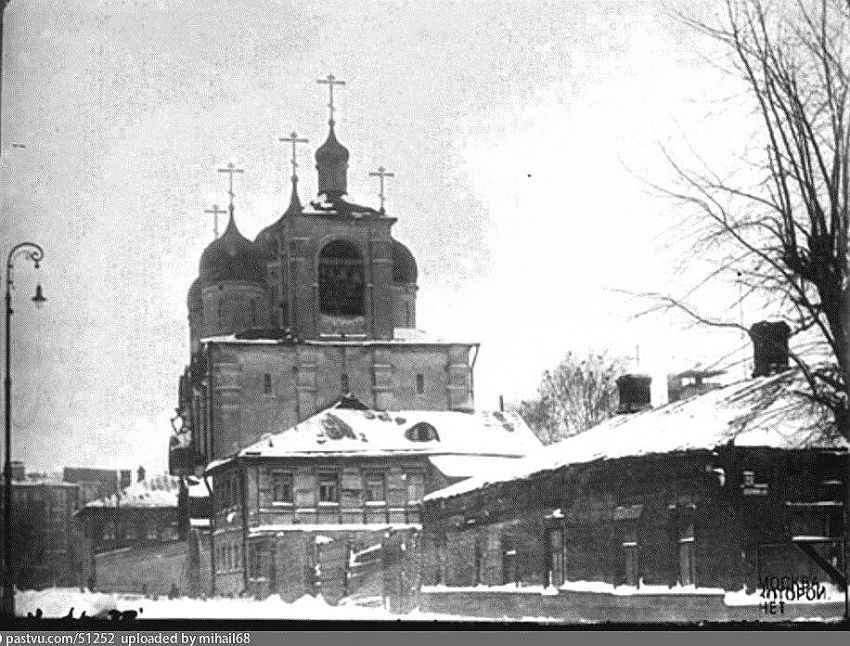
column 342, row 280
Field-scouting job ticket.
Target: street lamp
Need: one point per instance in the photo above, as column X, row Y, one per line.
column 32, row 252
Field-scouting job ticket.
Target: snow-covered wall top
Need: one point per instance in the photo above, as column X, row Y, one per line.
column 767, row 412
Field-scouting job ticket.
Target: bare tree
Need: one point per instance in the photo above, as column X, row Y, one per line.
column 782, row 224
column 577, row 394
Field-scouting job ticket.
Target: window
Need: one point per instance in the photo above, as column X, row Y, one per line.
column 375, row 487
column 281, row 487
column 749, row 478
column 479, row 562
column 509, row 560
column 687, row 562
column 237, row 557
column 407, row 315
column 267, row 384
column 341, row 280
column 253, row 313
column 219, row 312
column 555, row 543
column 151, row 533
column 328, row 489
column 109, row 532
column 631, row 560
column 420, row 384
column 346, row 388
column 415, row 487
column 255, row 564
column 422, row 432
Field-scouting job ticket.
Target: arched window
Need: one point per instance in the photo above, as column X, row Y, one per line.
column 267, row 384
column 341, row 280
column 345, row 385
column 422, row 432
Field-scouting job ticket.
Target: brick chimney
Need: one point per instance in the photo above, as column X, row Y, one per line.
column 634, row 393
column 140, row 474
column 770, row 347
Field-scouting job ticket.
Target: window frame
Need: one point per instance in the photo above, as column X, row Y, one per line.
column 322, row 479
column 374, row 477
column 289, row 487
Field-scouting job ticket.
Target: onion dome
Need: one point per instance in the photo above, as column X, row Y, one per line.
column 266, row 239
column 404, row 264
column 194, row 300
column 232, row 257
column 332, row 164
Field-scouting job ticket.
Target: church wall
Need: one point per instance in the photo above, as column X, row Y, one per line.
column 404, row 305
column 228, row 307
column 308, row 378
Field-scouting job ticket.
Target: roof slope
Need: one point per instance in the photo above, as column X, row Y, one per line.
column 341, row 431
column 768, row 411
column 159, row 491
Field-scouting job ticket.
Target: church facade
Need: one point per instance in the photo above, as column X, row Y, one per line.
column 320, row 305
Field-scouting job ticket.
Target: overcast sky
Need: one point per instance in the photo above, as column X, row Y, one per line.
column 520, row 134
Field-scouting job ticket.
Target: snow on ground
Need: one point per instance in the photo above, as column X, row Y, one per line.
column 57, row 602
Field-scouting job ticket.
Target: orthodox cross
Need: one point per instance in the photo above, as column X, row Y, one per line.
column 382, row 173
column 231, row 170
column 294, row 140
column 330, row 82
column 215, row 211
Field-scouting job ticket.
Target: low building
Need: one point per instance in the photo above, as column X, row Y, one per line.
column 720, row 491
column 148, row 537
column 337, row 483
column 44, row 550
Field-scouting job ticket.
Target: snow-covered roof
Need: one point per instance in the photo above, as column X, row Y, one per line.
column 343, row 431
column 159, row 491
column 401, row 336
column 464, row 466
column 765, row 412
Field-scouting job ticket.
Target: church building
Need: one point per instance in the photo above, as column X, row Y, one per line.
column 320, row 305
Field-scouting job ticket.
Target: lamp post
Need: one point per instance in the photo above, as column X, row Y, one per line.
column 32, row 252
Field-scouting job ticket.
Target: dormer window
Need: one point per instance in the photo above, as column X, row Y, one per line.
column 422, row 432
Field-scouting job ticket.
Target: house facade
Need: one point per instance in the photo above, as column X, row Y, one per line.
column 342, row 481
column 705, row 496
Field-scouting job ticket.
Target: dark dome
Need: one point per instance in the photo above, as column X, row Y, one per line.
column 194, row 299
column 331, row 152
column 232, row 257
column 404, row 264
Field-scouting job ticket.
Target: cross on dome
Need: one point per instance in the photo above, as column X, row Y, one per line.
column 330, row 81
column 381, row 173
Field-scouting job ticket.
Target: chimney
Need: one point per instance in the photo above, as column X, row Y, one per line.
column 140, row 474
column 634, row 393
column 770, row 347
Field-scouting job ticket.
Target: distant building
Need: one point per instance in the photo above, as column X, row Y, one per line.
column 141, row 540
column 44, row 550
column 690, row 383
column 92, row 483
